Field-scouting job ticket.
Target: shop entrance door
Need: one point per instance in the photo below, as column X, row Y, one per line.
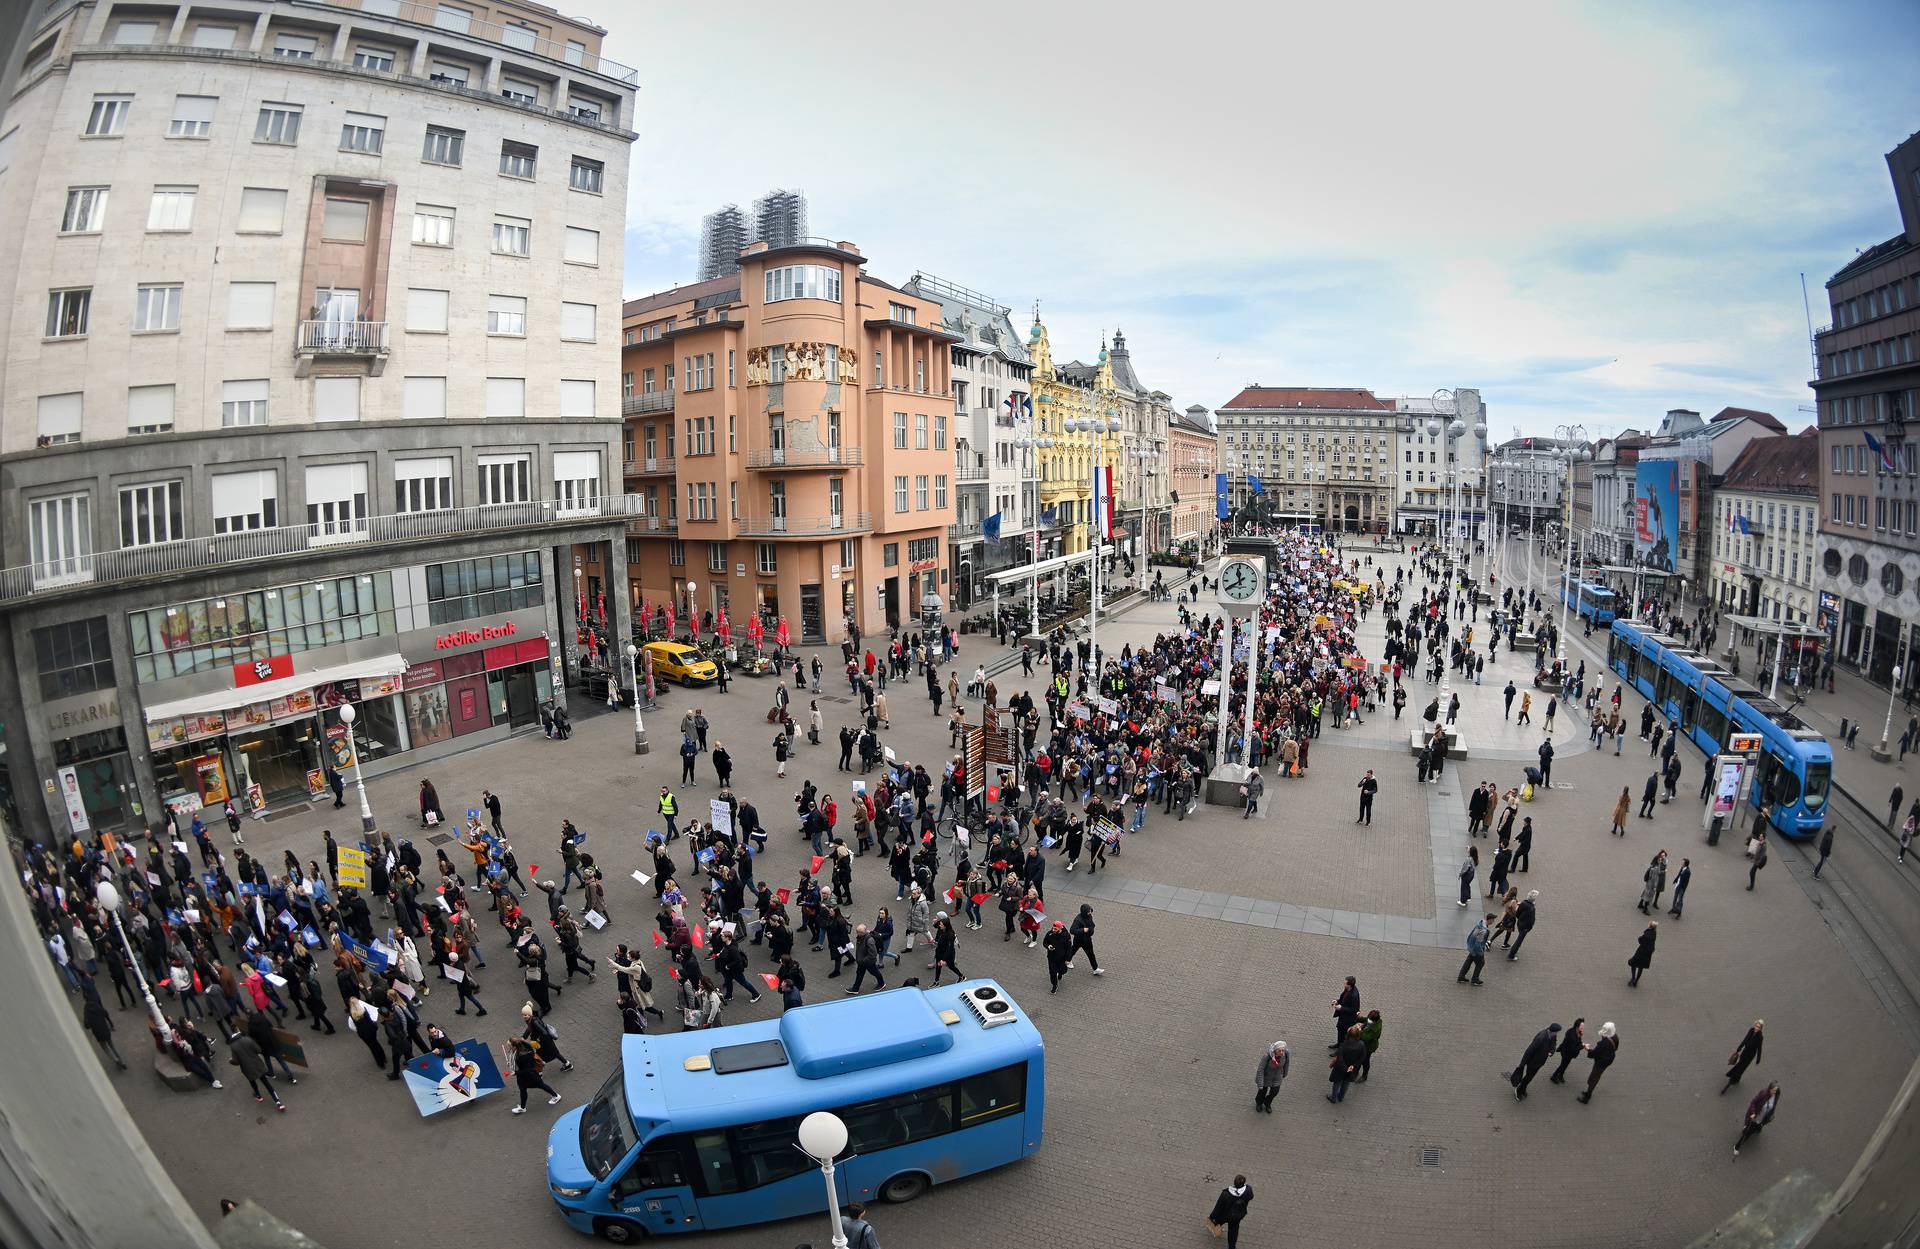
column 523, row 700
column 812, row 627
column 106, row 790
column 890, row 602
column 276, row 758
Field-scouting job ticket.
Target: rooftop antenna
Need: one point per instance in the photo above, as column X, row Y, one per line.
column 1813, row 348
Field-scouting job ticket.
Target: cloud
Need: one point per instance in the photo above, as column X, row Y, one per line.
column 1593, row 212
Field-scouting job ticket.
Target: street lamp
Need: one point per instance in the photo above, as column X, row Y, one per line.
column 1095, row 427
column 822, row 1137
column 633, row 679
column 347, row 716
column 1574, row 437
column 110, row 901
column 1893, row 688
column 693, row 609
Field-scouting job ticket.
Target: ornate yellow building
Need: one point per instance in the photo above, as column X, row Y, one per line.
column 1065, row 403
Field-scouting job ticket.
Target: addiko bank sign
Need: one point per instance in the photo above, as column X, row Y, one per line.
column 470, row 637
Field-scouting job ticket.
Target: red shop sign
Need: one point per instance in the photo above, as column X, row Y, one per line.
column 254, row 671
column 423, row 675
column 469, row 637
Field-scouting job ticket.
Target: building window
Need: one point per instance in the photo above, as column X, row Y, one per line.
column 60, row 535
column 939, row 432
column 905, row 313
column 243, row 403
column 506, row 398
column 518, row 160
column 295, row 47
column 156, row 309
column 86, row 210
column 586, row 175
column 577, row 398
column 504, row 479
column 920, row 492
column 108, row 117
column 890, row 555
column 900, row 431
column 444, row 146
column 519, row 90
column 278, row 123
column 263, row 210
column 73, row 657
column 424, row 398
column 336, row 499
column 920, row 431
column 512, row 236
column 427, row 310
column 730, row 386
column 578, row 322
column 336, row 398
column 377, row 60
column 900, row 493
column 576, row 480
column 249, row 305
column 150, row 409
column 768, row 557
column 448, row 73
column 507, row 314
column 940, row 490
column 246, row 500
column 582, row 247
column 218, row 38
column 344, row 220
column 67, row 312
column 150, row 514
column 363, row 132
column 802, row 282
column 433, row 225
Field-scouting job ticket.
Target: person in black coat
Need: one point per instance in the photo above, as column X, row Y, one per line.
column 1346, row 1064
column 1648, row 795
column 1539, row 1050
column 1643, row 953
column 526, row 1072
column 1523, row 846
column 1572, row 1043
column 1346, row 1011
column 1745, row 1054
column 1523, row 921
column 1230, row 1207
column 1602, row 1052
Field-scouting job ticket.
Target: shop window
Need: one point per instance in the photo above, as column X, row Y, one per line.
column 73, row 657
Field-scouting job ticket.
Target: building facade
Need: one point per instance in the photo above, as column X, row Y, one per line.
column 1527, row 483
column 993, row 475
column 1193, row 457
column 1866, row 388
column 1610, row 539
column 1702, row 451
column 1443, row 479
column 1765, row 515
column 1320, row 455
column 790, row 440
column 325, row 427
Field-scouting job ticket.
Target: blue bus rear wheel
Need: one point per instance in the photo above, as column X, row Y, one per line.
column 621, row 1232
column 903, row 1188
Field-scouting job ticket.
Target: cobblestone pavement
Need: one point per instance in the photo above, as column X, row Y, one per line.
column 1149, row 1100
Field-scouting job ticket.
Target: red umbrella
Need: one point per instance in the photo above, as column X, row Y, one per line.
column 754, row 630
column 669, row 619
column 724, row 629
column 780, row 633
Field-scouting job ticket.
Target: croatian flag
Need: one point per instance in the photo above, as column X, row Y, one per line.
column 1881, row 450
column 1103, row 502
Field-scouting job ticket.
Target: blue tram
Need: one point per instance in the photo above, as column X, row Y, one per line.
column 1709, row 703
column 1593, row 601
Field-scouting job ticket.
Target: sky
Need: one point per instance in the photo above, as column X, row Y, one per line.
column 1592, row 213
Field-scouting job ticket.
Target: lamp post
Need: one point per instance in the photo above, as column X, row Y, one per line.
column 1028, row 443
column 1575, row 437
column 1095, row 427
column 633, row 678
column 347, row 717
column 1447, row 432
column 1141, row 456
column 111, row 902
column 693, row 610
column 822, row 1137
column 1893, row 688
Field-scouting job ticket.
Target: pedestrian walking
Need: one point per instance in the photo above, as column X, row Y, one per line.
column 246, row 1055
column 1643, row 952
column 1372, row 1028
column 1681, row 879
column 1648, row 795
column 1653, row 882
column 1620, row 807
column 1523, row 922
column 1745, row 1054
column 1346, row 1011
column 1346, row 1064
column 527, row 1065
column 1572, row 1045
column 1893, row 804
column 1477, row 949
column 1229, row 1208
column 1759, row 1114
column 1081, row 931
column 1826, row 848
column 1368, row 788
column 1759, row 858
column 1467, row 869
column 1538, row 1051
column 855, row 1231
column 1602, row 1052
column 1269, row 1076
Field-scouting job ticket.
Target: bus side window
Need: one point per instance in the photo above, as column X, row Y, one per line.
column 993, row 1095
column 654, row 1168
column 715, row 1157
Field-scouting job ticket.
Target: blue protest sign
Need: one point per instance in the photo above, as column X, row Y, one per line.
column 439, row 1084
column 309, row 936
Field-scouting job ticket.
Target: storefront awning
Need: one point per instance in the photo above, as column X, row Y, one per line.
column 266, row 691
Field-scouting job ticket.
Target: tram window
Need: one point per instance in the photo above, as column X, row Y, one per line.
column 1714, row 721
column 1819, row 776
column 1783, row 787
column 1689, row 708
column 1662, row 688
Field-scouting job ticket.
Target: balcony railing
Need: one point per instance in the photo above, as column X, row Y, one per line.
column 970, row 472
column 823, row 457
column 650, row 466
column 342, row 338
column 806, row 526
column 965, row 529
column 656, row 401
column 220, row 550
column 640, row 526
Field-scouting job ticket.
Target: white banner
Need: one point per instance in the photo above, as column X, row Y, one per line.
column 76, row 809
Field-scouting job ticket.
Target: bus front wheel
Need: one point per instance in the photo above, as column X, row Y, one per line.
column 903, row 1188
column 621, row 1232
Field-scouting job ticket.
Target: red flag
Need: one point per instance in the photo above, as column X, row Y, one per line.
column 817, row 861
column 658, row 940
column 1000, row 864
column 783, row 895
column 673, row 969
column 722, row 628
column 993, row 793
column 533, row 869
column 978, row 898
column 669, row 620
column 699, row 937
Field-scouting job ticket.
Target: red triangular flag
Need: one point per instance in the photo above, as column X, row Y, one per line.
column 817, row 861
column 773, row 981
column 658, row 940
column 673, row 970
column 783, row 895
column 978, row 898
column 1000, row 865
column 533, row 869
column 699, row 937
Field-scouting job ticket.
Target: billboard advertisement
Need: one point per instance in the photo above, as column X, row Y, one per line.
column 1656, row 513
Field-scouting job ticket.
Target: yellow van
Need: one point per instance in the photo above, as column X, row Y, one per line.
column 676, row 661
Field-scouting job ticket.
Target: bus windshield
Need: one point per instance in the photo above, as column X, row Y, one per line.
column 606, row 1129
column 1819, row 776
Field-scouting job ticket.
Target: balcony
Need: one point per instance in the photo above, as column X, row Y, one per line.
column 338, row 340
column 652, row 466
column 641, row 405
column 168, row 559
column 964, row 530
column 970, row 472
column 788, row 458
column 806, row 526
column 644, row 526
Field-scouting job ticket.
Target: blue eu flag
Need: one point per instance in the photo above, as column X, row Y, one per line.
column 990, row 528
column 1254, row 482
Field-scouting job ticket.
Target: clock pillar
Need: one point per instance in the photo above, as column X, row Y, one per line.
column 1242, row 588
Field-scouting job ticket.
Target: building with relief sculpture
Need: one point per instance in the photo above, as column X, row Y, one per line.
column 307, row 315
column 790, row 440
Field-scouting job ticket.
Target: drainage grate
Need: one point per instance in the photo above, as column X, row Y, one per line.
column 1429, row 1155
column 439, row 839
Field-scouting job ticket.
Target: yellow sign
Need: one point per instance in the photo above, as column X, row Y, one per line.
column 1743, row 744
column 353, row 867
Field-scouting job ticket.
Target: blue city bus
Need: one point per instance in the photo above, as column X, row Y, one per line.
column 698, row 1130
column 1593, row 601
column 1709, row 703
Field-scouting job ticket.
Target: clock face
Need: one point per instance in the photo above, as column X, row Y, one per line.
column 1240, row 581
